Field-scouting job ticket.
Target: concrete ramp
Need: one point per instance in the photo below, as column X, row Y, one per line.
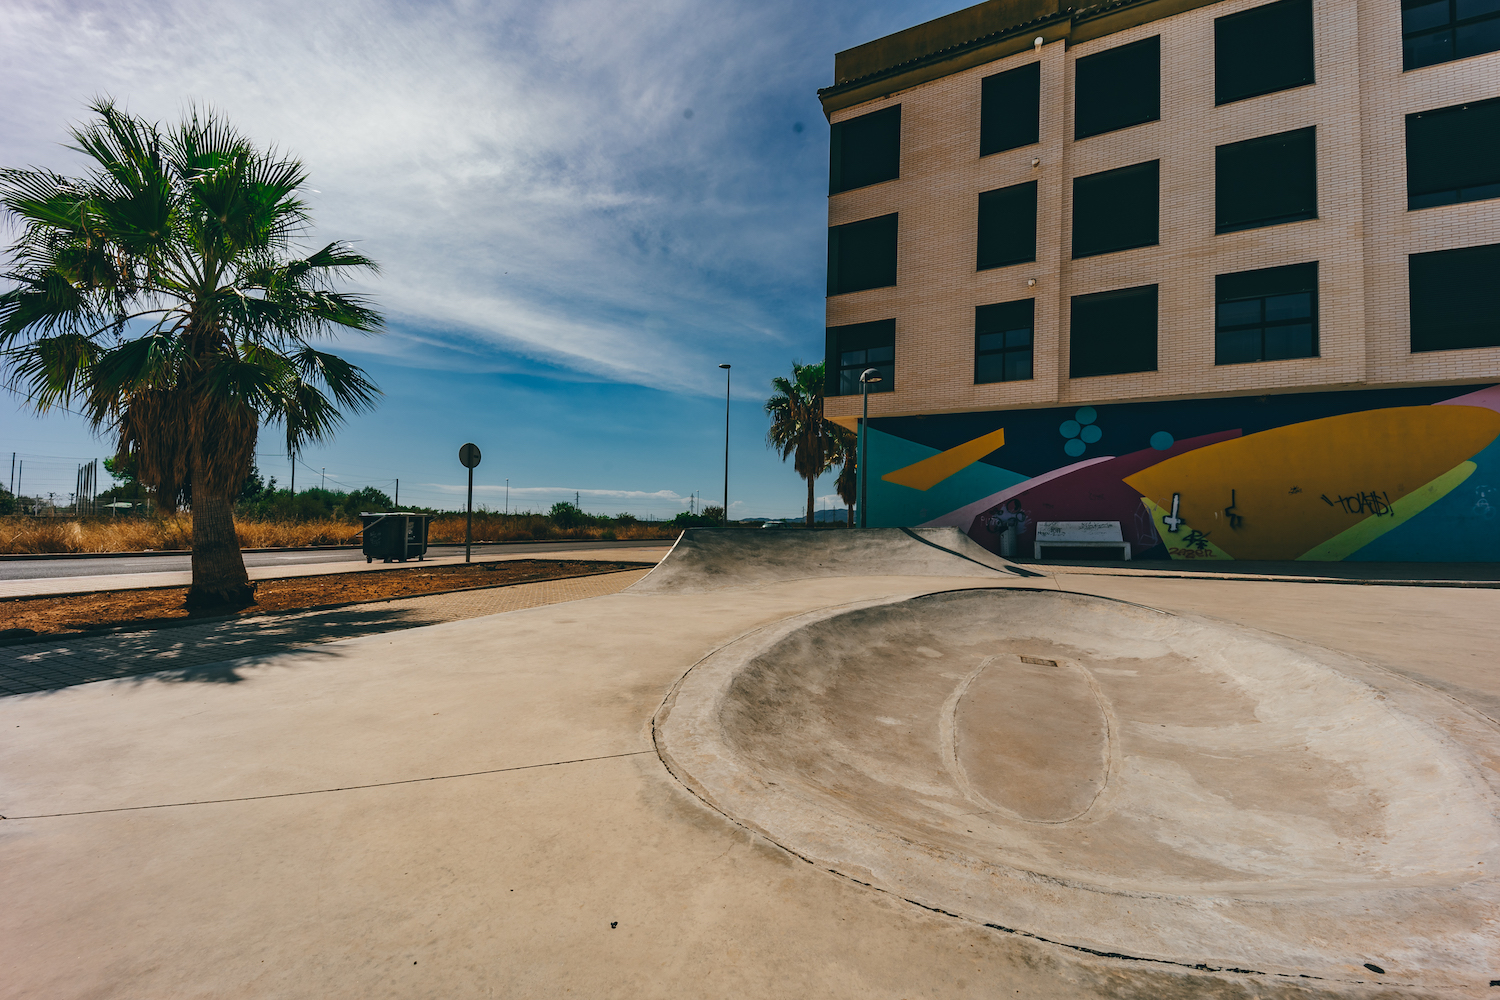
column 1115, row 780
column 707, row 559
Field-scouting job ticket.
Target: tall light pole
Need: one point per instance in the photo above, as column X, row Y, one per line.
column 867, row 378
column 726, row 444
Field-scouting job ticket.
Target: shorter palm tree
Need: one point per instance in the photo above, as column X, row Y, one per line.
column 798, row 428
column 847, row 483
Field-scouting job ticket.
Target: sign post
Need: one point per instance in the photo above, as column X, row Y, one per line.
column 469, row 456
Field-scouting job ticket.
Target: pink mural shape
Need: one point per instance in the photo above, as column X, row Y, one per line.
column 1088, row 491
column 964, row 516
column 1489, row 399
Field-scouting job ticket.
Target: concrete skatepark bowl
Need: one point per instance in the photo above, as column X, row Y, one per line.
column 1104, row 776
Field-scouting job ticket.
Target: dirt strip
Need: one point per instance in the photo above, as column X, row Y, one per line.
column 73, row 613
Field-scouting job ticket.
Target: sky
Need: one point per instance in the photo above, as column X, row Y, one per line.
column 581, row 208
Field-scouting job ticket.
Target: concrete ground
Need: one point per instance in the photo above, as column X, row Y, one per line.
column 476, row 809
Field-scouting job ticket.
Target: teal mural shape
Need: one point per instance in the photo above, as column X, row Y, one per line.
column 893, row 504
column 1463, row 526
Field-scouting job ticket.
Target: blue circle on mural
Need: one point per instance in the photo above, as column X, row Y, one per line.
column 1074, row 447
column 1161, row 441
column 1091, row 433
column 1069, row 429
column 1086, row 415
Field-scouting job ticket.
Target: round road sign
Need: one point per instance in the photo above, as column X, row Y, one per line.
column 469, row 455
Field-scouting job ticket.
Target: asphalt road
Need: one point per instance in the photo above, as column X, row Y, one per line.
column 52, row 569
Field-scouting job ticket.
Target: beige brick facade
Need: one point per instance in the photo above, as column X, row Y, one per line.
column 1361, row 238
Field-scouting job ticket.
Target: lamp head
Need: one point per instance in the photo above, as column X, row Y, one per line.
column 723, row 366
column 871, row 375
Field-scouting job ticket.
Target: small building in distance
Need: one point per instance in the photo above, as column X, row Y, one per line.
column 1227, row 273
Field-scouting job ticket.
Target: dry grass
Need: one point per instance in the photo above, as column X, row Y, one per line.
column 79, row 612
column 135, row 534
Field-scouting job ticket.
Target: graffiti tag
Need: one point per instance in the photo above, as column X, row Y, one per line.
column 1235, row 520
column 1172, row 521
column 1366, row 502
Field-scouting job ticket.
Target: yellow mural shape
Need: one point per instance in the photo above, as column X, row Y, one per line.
column 1348, row 542
column 1185, row 543
column 1281, row 493
column 926, row 474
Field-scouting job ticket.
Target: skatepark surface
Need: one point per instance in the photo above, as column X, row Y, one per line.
column 830, row 778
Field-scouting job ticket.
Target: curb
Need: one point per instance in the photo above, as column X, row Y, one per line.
column 24, row 556
column 163, row 624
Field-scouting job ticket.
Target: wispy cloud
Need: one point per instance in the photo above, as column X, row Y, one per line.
column 609, row 186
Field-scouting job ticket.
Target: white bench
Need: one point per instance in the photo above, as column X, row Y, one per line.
column 1102, row 535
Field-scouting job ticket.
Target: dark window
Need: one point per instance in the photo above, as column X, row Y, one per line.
column 1453, row 154
column 1007, row 226
column 1112, row 333
column 1436, row 32
column 853, row 348
column 1116, row 209
column 1266, row 181
column 1266, row 315
column 865, row 150
column 1263, row 50
column 1002, row 342
column 1117, row 89
column 862, row 255
column 1010, row 109
column 1453, row 303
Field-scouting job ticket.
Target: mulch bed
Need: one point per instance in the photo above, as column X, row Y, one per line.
column 67, row 613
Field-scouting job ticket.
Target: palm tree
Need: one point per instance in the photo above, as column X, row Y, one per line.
column 847, row 483
column 162, row 293
column 798, row 429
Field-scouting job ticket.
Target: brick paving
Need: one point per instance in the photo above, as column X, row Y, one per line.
column 201, row 651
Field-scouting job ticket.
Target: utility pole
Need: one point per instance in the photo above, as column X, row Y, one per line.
column 726, row 444
column 323, row 484
column 507, row 497
column 398, row 494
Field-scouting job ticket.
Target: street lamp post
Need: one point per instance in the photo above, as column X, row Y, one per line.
column 726, row 444
column 867, row 378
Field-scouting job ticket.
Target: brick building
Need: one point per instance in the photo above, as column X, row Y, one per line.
column 1227, row 274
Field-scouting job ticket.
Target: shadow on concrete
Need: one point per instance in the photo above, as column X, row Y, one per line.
column 203, row 653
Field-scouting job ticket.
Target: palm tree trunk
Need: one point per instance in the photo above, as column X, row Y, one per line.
column 219, row 577
column 811, row 483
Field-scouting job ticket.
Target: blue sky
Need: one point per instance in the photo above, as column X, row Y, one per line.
column 581, row 208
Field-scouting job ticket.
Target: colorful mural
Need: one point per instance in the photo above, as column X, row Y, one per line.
column 1381, row 474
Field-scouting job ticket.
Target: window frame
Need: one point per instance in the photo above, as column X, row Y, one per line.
column 990, row 108
column 1224, row 25
column 1292, row 281
column 877, row 335
column 1431, row 197
column 1088, row 180
column 1453, row 25
column 836, row 149
column 1117, row 295
column 836, row 235
column 996, row 204
column 1090, row 95
column 1222, row 228
column 1006, row 349
column 1441, row 301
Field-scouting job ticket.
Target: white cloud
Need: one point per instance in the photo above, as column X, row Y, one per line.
column 524, row 172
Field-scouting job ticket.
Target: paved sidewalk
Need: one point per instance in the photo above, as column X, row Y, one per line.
column 145, row 581
column 198, row 652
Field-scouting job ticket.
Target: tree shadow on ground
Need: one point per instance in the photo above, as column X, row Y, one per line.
column 209, row 652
